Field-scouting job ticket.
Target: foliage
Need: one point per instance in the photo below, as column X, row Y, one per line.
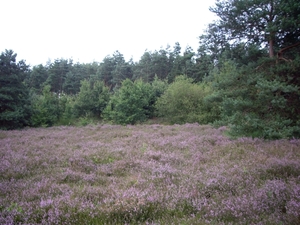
column 258, row 103
column 14, row 96
column 185, row 64
column 114, row 69
column 261, row 22
column 183, row 102
column 229, row 82
column 132, row 103
column 71, row 84
column 45, row 107
column 167, row 64
column 78, row 73
column 67, row 112
column 38, row 76
column 92, row 99
column 61, row 109
column 256, row 96
column 158, row 87
column 62, row 75
column 57, row 73
column 152, row 64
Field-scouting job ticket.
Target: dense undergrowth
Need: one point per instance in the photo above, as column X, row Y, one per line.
column 146, row 174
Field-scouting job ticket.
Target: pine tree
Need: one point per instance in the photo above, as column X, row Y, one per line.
column 14, row 101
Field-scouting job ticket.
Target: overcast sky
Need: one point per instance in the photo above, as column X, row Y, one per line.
column 89, row 30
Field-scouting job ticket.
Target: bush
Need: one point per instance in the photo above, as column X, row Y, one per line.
column 132, row 103
column 45, row 108
column 185, row 102
column 158, row 87
column 92, row 99
column 67, row 115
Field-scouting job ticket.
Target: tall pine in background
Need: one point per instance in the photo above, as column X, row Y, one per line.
column 255, row 45
column 14, row 101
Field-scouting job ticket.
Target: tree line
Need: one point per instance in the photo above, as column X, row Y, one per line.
column 244, row 75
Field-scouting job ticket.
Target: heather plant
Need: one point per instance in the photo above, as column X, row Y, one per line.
column 146, row 174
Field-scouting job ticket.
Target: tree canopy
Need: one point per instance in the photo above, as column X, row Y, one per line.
column 14, row 103
column 244, row 75
column 274, row 23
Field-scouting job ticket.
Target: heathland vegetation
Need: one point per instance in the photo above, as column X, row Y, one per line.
column 178, row 137
column 146, row 174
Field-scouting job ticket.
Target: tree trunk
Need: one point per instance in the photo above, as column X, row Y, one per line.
column 271, row 47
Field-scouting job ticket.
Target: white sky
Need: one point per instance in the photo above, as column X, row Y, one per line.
column 89, row 30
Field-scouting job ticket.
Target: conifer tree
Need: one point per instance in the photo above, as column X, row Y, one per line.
column 14, row 101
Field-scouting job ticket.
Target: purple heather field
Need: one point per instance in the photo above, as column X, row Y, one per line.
column 146, row 174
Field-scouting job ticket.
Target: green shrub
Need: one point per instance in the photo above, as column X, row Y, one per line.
column 132, row 103
column 158, row 87
column 185, row 101
column 45, row 108
column 66, row 104
column 92, row 99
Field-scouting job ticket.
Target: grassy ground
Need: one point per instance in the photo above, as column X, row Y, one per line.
column 146, row 174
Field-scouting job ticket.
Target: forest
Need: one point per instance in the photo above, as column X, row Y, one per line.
column 244, row 75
